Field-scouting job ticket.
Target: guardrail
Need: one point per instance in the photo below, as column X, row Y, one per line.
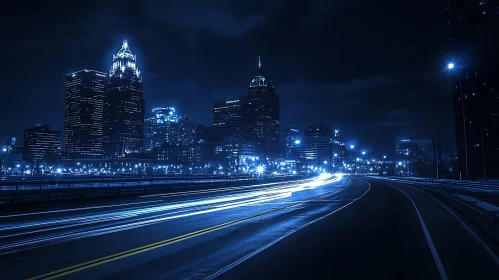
column 65, row 191
column 487, row 185
column 75, row 178
column 115, row 182
column 451, row 181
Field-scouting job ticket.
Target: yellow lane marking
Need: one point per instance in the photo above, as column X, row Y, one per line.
column 131, row 252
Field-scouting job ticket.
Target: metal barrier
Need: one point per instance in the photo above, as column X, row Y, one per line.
column 72, row 190
column 113, row 182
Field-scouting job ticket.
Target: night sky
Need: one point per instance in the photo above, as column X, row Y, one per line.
column 373, row 69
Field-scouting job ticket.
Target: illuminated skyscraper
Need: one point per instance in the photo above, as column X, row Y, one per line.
column 123, row 106
column 160, row 127
column 473, row 33
column 292, row 140
column 186, row 131
column 83, row 113
column 317, row 144
column 261, row 94
column 235, row 122
column 41, row 144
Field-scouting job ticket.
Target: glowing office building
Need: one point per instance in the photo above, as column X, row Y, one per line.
column 160, row 127
column 262, row 95
column 83, row 113
column 123, row 120
column 41, row 144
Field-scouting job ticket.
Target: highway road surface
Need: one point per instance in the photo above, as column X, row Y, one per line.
column 321, row 228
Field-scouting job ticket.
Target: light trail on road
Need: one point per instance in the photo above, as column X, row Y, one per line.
column 39, row 232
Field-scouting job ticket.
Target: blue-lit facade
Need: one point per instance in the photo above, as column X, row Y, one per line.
column 473, row 33
column 262, row 95
column 235, row 121
column 41, row 145
column 317, row 146
column 123, row 121
column 185, row 132
column 160, row 127
column 415, row 157
column 292, row 139
column 83, row 113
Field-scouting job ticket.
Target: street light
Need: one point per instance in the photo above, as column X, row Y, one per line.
column 451, row 66
column 260, row 170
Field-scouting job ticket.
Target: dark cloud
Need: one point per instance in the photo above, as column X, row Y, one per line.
column 203, row 18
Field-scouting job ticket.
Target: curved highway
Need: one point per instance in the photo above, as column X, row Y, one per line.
column 327, row 227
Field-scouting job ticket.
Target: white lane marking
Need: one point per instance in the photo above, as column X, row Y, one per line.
column 248, row 256
column 470, row 231
column 433, row 250
column 78, row 209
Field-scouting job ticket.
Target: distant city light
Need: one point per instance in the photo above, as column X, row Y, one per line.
column 450, row 65
column 59, row 170
column 260, row 169
column 400, row 163
column 297, row 142
column 4, row 149
column 352, row 146
column 325, row 162
column 335, row 155
column 384, row 156
column 363, row 153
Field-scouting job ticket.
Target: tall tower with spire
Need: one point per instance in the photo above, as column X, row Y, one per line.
column 123, row 120
column 262, row 95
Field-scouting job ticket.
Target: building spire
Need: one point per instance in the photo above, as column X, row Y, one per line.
column 125, row 45
column 259, row 62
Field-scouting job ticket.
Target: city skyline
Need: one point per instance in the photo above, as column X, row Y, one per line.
column 250, row 139
column 190, row 65
column 259, row 81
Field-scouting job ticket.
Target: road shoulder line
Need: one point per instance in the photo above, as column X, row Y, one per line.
column 465, row 226
column 436, row 258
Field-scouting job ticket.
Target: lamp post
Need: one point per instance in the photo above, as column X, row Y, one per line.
column 451, row 66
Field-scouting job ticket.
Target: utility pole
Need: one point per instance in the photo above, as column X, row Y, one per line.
column 483, row 159
column 436, row 149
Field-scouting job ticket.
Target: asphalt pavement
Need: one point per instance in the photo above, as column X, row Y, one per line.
column 379, row 237
column 353, row 228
